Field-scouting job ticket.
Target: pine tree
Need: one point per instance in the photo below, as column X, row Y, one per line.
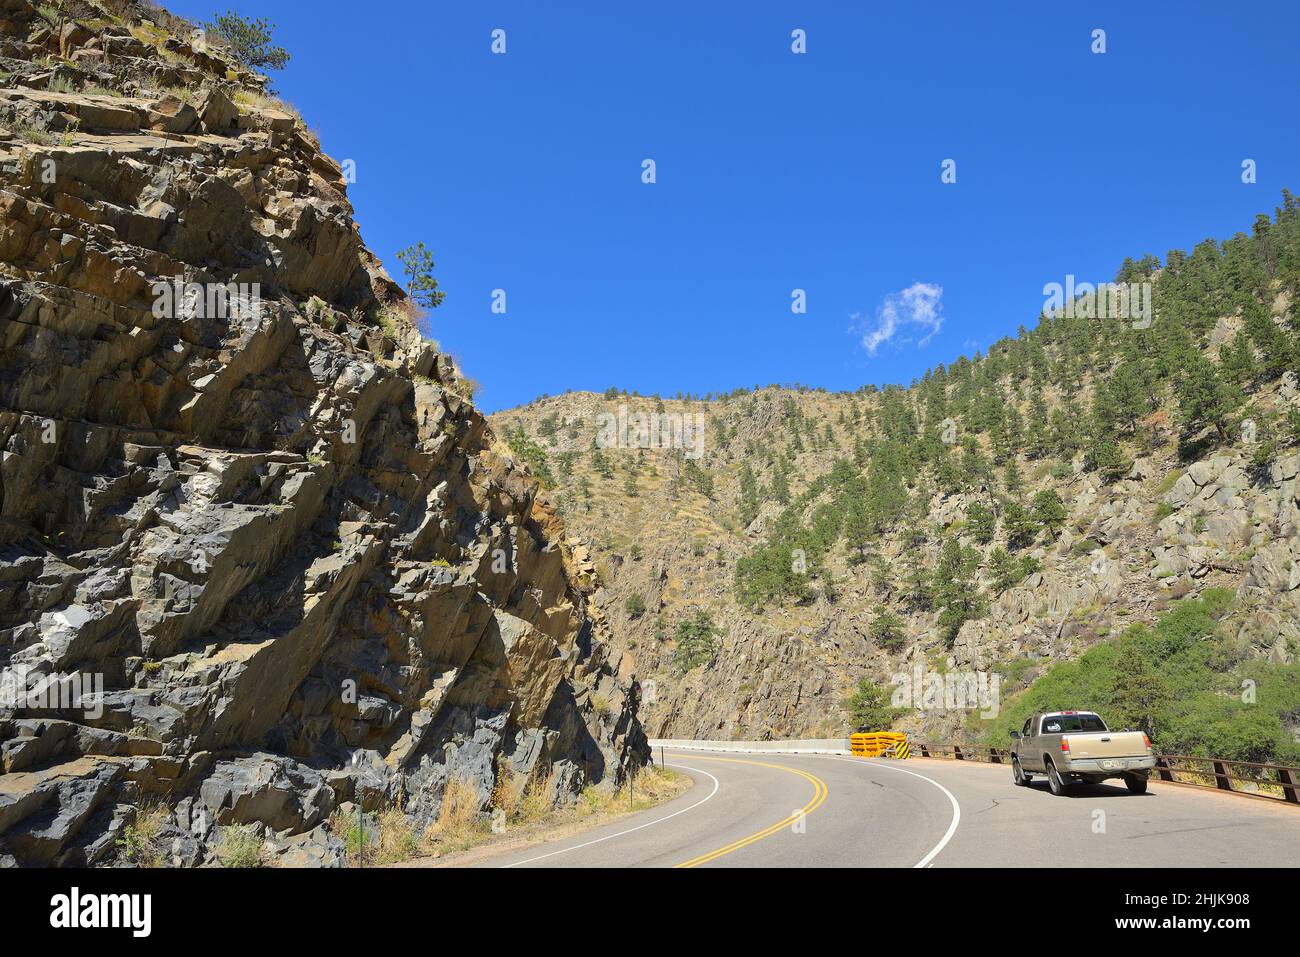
column 955, row 593
column 1020, row 526
column 887, row 629
column 1003, row 569
column 1204, row 398
column 1279, row 355
column 749, row 504
column 1049, row 511
column 1237, row 361
column 857, row 526
column 249, row 41
column 1011, row 478
column 982, row 522
column 870, row 709
column 421, row 286
column 695, row 642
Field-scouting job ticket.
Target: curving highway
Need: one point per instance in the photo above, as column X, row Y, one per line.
column 783, row 810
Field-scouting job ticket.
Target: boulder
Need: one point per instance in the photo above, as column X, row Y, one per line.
column 217, row 112
column 267, row 789
column 173, row 115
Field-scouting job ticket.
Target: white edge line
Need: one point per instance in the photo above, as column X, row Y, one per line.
column 956, row 808
column 610, row 837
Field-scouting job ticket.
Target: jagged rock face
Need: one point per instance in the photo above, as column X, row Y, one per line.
column 276, row 532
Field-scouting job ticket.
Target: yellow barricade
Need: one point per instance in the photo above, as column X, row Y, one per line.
column 874, row 744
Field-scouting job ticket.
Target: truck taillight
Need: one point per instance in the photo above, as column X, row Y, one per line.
column 1065, row 744
column 1148, row 741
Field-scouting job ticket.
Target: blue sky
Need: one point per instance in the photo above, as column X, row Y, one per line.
column 778, row 171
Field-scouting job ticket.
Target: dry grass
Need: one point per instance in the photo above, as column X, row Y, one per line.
column 186, row 94
column 347, row 828
column 525, row 809
column 139, row 841
column 398, row 840
column 508, row 794
column 239, row 847
column 98, row 89
column 30, row 133
column 257, row 100
column 535, row 804
column 391, row 839
column 460, row 824
column 466, row 387
column 536, row 821
column 651, row 786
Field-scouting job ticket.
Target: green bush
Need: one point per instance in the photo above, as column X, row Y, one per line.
column 1181, row 681
column 532, row 455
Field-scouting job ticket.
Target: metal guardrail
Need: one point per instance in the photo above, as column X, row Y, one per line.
column 1277, row 781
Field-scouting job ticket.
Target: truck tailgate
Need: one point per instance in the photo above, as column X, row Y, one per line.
column 1095, row 745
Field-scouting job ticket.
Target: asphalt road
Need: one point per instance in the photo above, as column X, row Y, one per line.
column 765, row 810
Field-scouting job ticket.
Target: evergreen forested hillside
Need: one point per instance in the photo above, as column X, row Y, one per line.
column 1101, row 510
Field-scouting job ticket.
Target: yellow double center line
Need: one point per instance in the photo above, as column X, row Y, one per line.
column 819, row 795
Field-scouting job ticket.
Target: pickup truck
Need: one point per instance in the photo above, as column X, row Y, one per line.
column 1073, row 746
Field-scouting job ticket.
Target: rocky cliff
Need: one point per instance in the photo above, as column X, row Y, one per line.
column 259, row 554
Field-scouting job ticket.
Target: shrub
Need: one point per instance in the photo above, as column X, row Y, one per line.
column 532, row 455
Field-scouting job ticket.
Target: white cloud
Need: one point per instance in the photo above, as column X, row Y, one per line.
column 918, row 308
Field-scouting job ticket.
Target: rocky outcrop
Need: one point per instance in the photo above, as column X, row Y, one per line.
column 250, row 521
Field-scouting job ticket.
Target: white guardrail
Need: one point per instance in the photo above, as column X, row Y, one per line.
column 793, row 746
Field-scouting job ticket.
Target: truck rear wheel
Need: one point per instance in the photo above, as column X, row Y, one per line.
column 1136, row 783
column 1054, row 781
